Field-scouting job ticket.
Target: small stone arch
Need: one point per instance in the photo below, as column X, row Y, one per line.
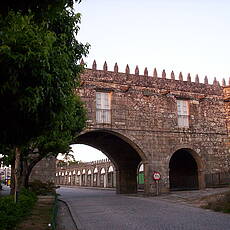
column 111, row 177
column 102, row 177
column 78, row 178
column 186, row 170
column 110, row 169
column 89, row 175
column 140, row 176
column 83, row 178
column 102, row 171
column 95, row 177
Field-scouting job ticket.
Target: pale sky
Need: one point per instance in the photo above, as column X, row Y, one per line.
column 181, row 35
column 191, row 36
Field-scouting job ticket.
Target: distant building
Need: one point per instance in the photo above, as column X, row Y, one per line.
column 5, row 174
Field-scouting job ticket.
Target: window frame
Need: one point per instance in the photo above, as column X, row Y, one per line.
column 183, row 120
column 103, row 108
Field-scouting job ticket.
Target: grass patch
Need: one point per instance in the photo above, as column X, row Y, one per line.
column 41, row 215
column 12, row 213
column 221, row 203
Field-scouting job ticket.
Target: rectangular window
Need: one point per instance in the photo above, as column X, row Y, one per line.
column 183, row 113
column 103, row 107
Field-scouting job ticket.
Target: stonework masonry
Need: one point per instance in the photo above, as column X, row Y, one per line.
column 144, row 124
column 227, row 107
column 144, row 110
column 100, row 173
column 44, row 170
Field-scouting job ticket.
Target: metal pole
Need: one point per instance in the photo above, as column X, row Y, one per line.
column 157, row 185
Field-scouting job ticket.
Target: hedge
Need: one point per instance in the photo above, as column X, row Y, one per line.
column 11, row 213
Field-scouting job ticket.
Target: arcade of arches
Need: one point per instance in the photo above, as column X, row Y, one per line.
column 126, row 170
column 175, row 127
column 99, row 173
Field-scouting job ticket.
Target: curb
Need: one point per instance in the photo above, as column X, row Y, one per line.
column 87, row 187
column 76, row 222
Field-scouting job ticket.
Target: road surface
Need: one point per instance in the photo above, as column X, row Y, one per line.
column 94, row 209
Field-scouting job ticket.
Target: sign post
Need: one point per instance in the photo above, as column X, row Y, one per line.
column 156, row 178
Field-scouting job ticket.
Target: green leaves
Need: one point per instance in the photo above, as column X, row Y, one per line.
column 39, row 73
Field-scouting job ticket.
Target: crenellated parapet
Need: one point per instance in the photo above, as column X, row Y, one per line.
column 227, row 108
column 156, row 80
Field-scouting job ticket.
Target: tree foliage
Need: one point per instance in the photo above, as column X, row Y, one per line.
column 39, row 71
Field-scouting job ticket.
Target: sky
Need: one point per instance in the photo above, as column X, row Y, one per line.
column 188, row 36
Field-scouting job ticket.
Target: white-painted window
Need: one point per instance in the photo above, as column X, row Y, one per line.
column 183, row 113
column 103, row 107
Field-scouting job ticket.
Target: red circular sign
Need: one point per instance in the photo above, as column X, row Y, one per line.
column 156, row 176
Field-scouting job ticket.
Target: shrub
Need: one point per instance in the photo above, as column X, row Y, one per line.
column 222, row 204
column 40, row 188
column 11, row 213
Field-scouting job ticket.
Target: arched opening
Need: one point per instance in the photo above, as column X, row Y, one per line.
column 102, row 178
column 89, row 178
column 78, row 182
column 140, row 176
column 95, row 176
column 110, row 177
column 184, row 170
column 74, row 178
column 122, row 152
column 83, row 180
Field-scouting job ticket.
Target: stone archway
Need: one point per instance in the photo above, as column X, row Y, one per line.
column 124, row 154
column 185, row 170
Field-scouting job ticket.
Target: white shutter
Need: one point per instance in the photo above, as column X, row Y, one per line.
column 179, row 107
column 184, row 108
column 98, row 100
column 103, row 113
column 183, row 113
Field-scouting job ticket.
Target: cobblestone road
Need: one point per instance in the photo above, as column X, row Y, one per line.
column 97, row 209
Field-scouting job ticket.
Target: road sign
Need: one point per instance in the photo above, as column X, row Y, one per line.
column 156, row 176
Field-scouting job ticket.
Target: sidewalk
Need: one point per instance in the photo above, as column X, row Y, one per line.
column 195, row 197
column 5, row 190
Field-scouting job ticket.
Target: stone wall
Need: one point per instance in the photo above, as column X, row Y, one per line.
column 227, row 107
column 144, row 110
column 44, row 170
column 144, row 116
column 101, row 173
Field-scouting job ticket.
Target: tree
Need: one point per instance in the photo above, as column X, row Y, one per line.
column 54, row 141
column 38, row 74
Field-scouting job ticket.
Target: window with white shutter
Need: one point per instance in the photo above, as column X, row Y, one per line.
column 103, row 107
column 183, row 113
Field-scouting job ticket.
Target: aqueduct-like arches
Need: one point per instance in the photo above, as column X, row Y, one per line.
column 124, row 154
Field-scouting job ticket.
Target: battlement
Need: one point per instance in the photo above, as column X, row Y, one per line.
column 155, row 80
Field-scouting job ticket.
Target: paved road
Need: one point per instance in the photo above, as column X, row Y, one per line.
column 105, row 210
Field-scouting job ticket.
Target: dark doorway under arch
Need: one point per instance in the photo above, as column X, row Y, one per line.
column 183, row 171
column 124, row 154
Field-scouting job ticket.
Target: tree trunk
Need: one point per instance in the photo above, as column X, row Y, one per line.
column 12, row 178
column 17, row 173
column 24, row 174
column 27, row 169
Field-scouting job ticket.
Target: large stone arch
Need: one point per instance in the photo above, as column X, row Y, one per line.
column 186, row 170
column 124, row 153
